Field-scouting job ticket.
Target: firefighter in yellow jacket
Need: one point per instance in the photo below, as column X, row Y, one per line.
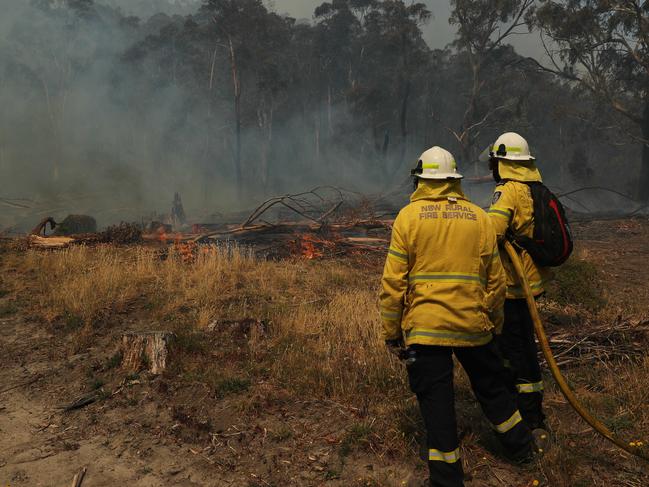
column 512, row 215
column 443, row 289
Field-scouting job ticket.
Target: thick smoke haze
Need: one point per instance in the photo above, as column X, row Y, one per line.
column 110, row 107
column 70, row 133
column 90, row 124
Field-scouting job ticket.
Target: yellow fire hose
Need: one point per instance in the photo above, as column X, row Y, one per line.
column 596, row 424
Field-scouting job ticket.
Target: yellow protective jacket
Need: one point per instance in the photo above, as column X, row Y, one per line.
column 513, row 209
column 443, row 281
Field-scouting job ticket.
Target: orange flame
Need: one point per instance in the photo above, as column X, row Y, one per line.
column 165, row 237
column 309, row 251
column 313, row 247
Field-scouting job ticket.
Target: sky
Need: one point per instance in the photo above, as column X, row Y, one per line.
column 438, row 32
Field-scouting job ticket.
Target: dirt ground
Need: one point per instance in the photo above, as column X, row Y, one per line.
column 620, row 250
column 171, row 430
column 152, row 432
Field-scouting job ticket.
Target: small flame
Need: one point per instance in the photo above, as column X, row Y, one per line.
column 186, row 251
column 309, row 251
column 165, row 237
column 312, row 247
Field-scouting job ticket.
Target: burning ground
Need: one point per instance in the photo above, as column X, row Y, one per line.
column 276, row 374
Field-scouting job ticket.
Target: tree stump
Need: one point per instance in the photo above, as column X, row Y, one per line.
column 145, row 350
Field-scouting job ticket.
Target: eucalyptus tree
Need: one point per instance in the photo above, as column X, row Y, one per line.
column 603, row 46
column 483, row 27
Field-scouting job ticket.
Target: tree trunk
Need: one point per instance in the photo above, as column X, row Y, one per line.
column 55, row 127
column 404, row 124
column 237, row 114
column 208, row 183
column 265, row 120
column 318, row 123
column 147, row 350
column 330, row 125
column 643, row 190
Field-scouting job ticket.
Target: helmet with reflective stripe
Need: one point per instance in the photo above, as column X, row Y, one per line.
column 436, row 163
column 511, row 147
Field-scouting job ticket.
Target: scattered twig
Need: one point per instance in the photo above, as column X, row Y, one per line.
column 330, row 212
column 80, row 403
column 78, row 478
column 300, row 203
column 22, row 384
column 603, row 342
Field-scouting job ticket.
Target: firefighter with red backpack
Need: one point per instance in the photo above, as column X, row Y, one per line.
column 527, row 214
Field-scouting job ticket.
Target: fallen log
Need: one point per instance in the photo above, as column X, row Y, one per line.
column 293, row 228
column 50, row 242
column 145, row 350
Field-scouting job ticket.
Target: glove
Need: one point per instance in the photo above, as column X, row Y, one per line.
column 395, row 347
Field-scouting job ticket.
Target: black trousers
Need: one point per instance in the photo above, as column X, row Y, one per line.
column 431, row 379
column 523, row 372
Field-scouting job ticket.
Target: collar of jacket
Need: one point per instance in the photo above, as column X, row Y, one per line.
column 525, row 172
column 437, row 190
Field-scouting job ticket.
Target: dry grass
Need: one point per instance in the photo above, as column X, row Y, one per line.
column 322, row 342
column 323, row 315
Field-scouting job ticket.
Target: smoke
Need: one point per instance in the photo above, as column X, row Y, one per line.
column 146, row 8
column 110, row 115
column 62, row 130
column 90, row 123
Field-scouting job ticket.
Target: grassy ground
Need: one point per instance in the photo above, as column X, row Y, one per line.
column 266, row 339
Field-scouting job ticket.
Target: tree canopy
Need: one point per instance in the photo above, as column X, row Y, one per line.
column 236, row 101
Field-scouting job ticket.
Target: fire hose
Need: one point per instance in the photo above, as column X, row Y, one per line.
column 567, row 392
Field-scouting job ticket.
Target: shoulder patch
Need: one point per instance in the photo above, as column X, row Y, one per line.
column 497, row 196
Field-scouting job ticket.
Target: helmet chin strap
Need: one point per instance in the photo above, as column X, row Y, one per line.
column 494, row 165
column 415, row 183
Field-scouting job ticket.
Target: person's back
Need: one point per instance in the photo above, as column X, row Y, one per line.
column 512, row 216
column 442, row 294
column 450, row 247
column 512, row 212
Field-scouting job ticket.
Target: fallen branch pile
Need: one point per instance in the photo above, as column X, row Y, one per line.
column 323, row 222
column 317, row 223
column 624, row 340
column 321, row 238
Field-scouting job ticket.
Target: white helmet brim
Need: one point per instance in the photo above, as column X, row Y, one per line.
column 517, row 158
column 443, row 175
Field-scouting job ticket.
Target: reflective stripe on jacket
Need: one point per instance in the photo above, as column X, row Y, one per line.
column 513, row 209
column 443, row 282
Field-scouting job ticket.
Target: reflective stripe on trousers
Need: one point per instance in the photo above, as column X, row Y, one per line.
column 510, row 423
column 529, row 388
column 442, row 456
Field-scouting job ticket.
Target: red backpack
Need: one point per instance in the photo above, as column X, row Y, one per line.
column 551, row 244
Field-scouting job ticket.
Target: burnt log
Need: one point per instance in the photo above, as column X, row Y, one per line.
column 42, row 226
column 145, row 350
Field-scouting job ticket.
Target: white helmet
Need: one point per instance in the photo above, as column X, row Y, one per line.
column 511, row 147
column 437, row 163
